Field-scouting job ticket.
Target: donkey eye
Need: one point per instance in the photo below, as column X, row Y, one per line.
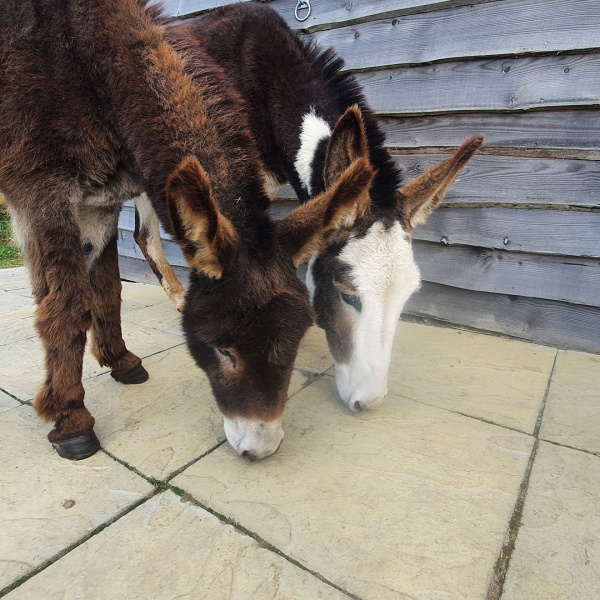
column 352, row 300
column 225, row 354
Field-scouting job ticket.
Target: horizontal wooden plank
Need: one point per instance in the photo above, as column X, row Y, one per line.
column 495, row 29
column 546, row 321
column 560, row 232
column 485, row 85
column 574, row 280
column 556, row 129
column 325, row 15
column 511, row 180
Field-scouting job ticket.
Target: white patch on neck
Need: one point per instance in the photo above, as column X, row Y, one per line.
column 312, row 131
column 385, row 275
column 256, row 438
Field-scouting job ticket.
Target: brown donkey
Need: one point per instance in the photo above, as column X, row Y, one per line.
column 311, row 122
column 95, row 107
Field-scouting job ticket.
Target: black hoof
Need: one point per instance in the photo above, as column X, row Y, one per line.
column 138, row 375
column 78, row 448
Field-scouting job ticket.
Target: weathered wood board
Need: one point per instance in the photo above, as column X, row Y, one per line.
column 514, row 180
column 567, row 279
column 505, row 84
column 327, row 14
column 564, row 130
column 555, row 323
column 546, row 232
column 508, row 28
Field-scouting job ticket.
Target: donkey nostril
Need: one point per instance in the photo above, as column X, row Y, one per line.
column 359, row 406
column 247, row 454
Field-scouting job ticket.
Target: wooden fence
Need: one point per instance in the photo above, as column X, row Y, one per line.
column 515, row 247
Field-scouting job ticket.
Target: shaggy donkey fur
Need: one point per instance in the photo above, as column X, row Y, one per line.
column 96, row 107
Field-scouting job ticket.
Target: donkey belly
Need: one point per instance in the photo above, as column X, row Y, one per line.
column 97, row 211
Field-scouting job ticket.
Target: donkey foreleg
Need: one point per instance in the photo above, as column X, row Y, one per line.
column 107, row 339
column 62, row 291
column 147, row 237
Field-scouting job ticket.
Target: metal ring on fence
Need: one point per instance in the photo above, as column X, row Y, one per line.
column 302, row 5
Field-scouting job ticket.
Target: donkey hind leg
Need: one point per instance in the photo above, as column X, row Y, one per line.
column 147, row 237
column 98, row 227
column 61, row 287
column 107, row 339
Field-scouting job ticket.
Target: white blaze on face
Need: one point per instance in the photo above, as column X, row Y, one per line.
column 385, row 275
column 254, row 439
column 312, row 131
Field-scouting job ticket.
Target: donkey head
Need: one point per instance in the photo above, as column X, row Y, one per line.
column 361, row 281
column 246, row 311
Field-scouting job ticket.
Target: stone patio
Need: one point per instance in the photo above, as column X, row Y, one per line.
column 481, row 440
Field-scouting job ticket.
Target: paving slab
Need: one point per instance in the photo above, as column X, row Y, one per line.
column 17, row 325
column 163, row 424
column 557, row 550
column 572, row 413
column 7, row 402
column 140, row 295
column 496, row 379
column 22, row 362
column 48, row 503
column 161, row 316
column 10, row 302
column 188, row 553
column 313, row 353
column 16, row 278
column 407, row 501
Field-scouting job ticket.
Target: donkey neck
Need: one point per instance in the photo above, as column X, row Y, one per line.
column 168, row 108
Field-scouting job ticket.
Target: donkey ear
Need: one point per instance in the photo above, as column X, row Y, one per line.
column 419, row 198
column 206, row 237
column 307, row 229
column 347, row 143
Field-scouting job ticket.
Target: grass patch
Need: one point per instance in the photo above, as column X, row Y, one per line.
column 9, row 255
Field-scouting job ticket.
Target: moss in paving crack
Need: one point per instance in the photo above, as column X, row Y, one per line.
column 179, row 492
column 503, row 562
column 159, row 485
column 64, row 552
column 185, row 497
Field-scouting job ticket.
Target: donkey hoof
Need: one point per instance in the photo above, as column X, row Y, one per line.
column 137, row 375
column 78, row 448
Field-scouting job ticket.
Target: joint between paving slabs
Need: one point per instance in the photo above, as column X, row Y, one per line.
column 185, row 497
column 503, row 562
column 28, row 402
column 85, row 538
column 462, row 414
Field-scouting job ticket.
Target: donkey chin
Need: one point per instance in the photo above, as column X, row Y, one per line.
column 253, row 439
column 361, row 397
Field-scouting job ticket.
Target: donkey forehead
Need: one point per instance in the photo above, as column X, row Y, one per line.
column 381, row 259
